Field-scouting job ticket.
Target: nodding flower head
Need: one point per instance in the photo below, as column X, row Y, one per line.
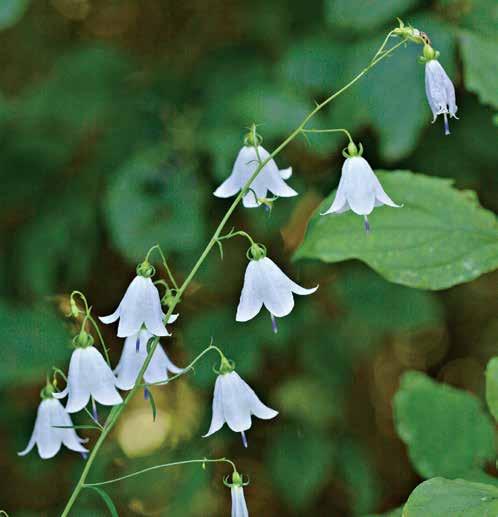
column 438, row 88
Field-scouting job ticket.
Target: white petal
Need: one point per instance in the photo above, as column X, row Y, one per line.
column 69, row 437
column 270, row 178
column 173, row 318
column 236, row 408
column 77, row 386
column 130, row 362
column 132, row 307
column 359, row 185
column 250, row 299
column 285, row 174
column 340, row 203
column 241, row 172
column 111, row 318
column 33, row 438
column 217, row 419
column 239, row 507
column 153, row 313
column 47, row 439
column 257, row 408
column 381, row 197
column 100, row 378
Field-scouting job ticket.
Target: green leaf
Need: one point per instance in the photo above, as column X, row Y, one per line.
column 456, row 498
column 11, row 11
column 419, row 245
column 299, row 461
column 492, row 386
column 480, row 59
column 107, row 500
column 33, row 341
column 445, row 429
column 153, row 200
column 360, row 15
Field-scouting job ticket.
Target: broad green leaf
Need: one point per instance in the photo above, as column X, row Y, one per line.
column 33, row 340
column 440, row 497
column 107, row 500
column 360, row 15
column 154, row 200
column 11, row 11
column 445, row 429
column 480, row 59
column 419, row 245
column 299, row 463
column 492, row 386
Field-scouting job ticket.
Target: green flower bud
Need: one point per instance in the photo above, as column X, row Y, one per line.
column 430, row 53
column 256, row 251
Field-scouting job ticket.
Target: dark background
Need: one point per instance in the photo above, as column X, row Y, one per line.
column 117, row 121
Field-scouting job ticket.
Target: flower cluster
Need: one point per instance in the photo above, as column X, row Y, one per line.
column 91, row 380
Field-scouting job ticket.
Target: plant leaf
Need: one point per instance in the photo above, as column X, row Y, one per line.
column 439, row 238
column 107, row 500
column 456, row 498
column 445, row 429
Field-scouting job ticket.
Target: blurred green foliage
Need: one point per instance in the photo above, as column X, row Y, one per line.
column 118, row 120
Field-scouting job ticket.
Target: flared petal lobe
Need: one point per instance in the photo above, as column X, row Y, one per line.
column 439, row 90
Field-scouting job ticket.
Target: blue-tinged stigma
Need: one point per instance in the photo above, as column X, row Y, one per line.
column 137, row 344
column 367, row 224
column 94, row 411
column 274, row 324
column 244, row 439
column 446, row 124
column 146, row 394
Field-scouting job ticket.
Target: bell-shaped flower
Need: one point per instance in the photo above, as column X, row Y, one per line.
column 239, row 506
column 234, row 403
column 89, row 376
column 439, row 89
column 269, row 179
column 266, row 284
column 53, row 429
column 140, row 305
column 359, row 189
column 133, row 357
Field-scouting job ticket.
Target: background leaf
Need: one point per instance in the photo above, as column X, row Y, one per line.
column 445, row 429
column 420, row 244
column 492, row 387
column 458, row 498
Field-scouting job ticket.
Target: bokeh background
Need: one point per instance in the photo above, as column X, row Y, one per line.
column 117, row 121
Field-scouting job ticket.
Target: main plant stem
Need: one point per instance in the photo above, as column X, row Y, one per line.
column 117, row 410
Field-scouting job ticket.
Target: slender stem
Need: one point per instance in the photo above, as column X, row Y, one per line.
column 163, row 466
column 165, row 263
column 187, row 368
column 329, row 131
column 115, row 413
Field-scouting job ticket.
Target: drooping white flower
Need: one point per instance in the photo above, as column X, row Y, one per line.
column 140, row 305
column 269, row 179
column 239, row 506
column 47, row 436
column 133, row 357
column 359, row 189
column 440, row 92
column 234, row 403
column 89, row 375
column 266, row 284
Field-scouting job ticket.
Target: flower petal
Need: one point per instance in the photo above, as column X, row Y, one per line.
column 111, row 318
column 47, row 439
column 285, row 174
column 257, row 408
column 100, row 378
column 381, row 198
column 340, row 203
column 359, row 185
column 239, row 507
column 236, row 408
column 78, row 393
column 250, row 298
column 217, row 419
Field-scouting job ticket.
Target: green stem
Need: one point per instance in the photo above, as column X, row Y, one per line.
column 329, row 131
column 187, row 368
column 163, row 466
column 115, row 413
column 165, row 263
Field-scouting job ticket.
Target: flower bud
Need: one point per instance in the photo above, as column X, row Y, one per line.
column 257, row 251
column 73, row 308
column 429, row 53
